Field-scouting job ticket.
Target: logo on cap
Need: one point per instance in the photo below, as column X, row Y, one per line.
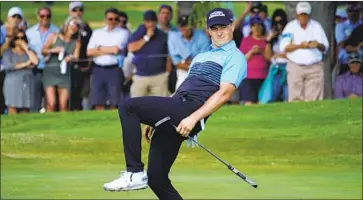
column 216, row 14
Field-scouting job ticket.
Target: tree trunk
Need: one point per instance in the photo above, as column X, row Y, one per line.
column 324, row 13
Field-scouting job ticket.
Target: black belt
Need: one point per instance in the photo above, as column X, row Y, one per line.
column 106, row 66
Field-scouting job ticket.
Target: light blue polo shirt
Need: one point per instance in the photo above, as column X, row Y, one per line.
column 37, row 39
column 342, row 32
column 223, row 64
column 180, row 49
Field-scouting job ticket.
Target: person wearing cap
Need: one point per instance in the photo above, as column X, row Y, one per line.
column 252, row 9
column 349, row 84
column 343, row 31
column 305, row 42
column 80, row 76
column 340, row 16
column 37, row 35
column 212, row 78
column 105, row 47
column 254, row 47
column 149, row 46
column 263, row 14
column 7, row 30
column 184, row 45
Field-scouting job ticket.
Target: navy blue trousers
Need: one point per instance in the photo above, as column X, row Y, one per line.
column 165, row 143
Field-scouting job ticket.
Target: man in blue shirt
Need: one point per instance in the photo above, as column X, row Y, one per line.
column 150, row 49
column 37, row 36
column 343, row 31
column 213, row 77
column 184, row 45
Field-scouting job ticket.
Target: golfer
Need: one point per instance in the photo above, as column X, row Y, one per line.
column 212, row 79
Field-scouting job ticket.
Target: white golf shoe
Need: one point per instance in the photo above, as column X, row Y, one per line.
column 128, row 181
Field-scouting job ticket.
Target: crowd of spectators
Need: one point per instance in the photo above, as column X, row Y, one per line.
column 72, row 67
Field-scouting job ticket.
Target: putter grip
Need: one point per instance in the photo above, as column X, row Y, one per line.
column 245, row 178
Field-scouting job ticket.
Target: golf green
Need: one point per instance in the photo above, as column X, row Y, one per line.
column 298, row 150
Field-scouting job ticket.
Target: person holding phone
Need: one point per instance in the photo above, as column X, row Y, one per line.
column 254, row 47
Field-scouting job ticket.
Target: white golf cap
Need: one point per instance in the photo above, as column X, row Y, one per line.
column 341, row 13
column 303, row 7
column 75, row 4
column 15, row 11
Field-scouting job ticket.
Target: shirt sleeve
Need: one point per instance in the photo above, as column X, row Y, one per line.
column 339, row 94
column 177, row 50
column 244, row 46
column 8, row 62
column 287, row 37
column 339, row 32
column 92, row 41
column 234, row 69
column 138, row 34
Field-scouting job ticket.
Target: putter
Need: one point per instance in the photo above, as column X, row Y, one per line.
column 230, row 167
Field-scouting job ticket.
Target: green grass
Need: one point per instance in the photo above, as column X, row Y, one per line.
column 300, row 150
column 94, row 11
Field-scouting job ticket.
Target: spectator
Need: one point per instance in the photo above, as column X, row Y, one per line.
column 128, row 68
column 15, row 16
column 276, row 57
column 253, row 47
column 149, row 45
column 304, row 41
column 349, row 85
column 56, row 73
column 37, row 36
column 263, row 14
column 104, row 46
column 340, row 16
column 343, row 31
column 184, row 46
column 165, row 14
column 252, row 9
column 2, row 75
column 124, row 20
column 80, row 76
column 18, row 85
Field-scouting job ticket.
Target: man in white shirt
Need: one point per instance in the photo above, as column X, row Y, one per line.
column 305, row 41
column 105, row 46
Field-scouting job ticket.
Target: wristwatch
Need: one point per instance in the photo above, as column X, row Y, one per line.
column 146, row 38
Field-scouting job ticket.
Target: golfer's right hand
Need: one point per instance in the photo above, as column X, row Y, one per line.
column 147, row 133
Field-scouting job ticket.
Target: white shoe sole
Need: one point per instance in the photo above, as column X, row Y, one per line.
column 136, row 187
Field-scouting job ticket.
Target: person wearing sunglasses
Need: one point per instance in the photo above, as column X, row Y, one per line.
column 107, row 47
column 18, row 62
column 37, row 35
column 80, row 76
column 63, row 49
column 276, row 57
column 213, row 77
column 343, row 31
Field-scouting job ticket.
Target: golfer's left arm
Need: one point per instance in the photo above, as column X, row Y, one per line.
column 232, row 75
